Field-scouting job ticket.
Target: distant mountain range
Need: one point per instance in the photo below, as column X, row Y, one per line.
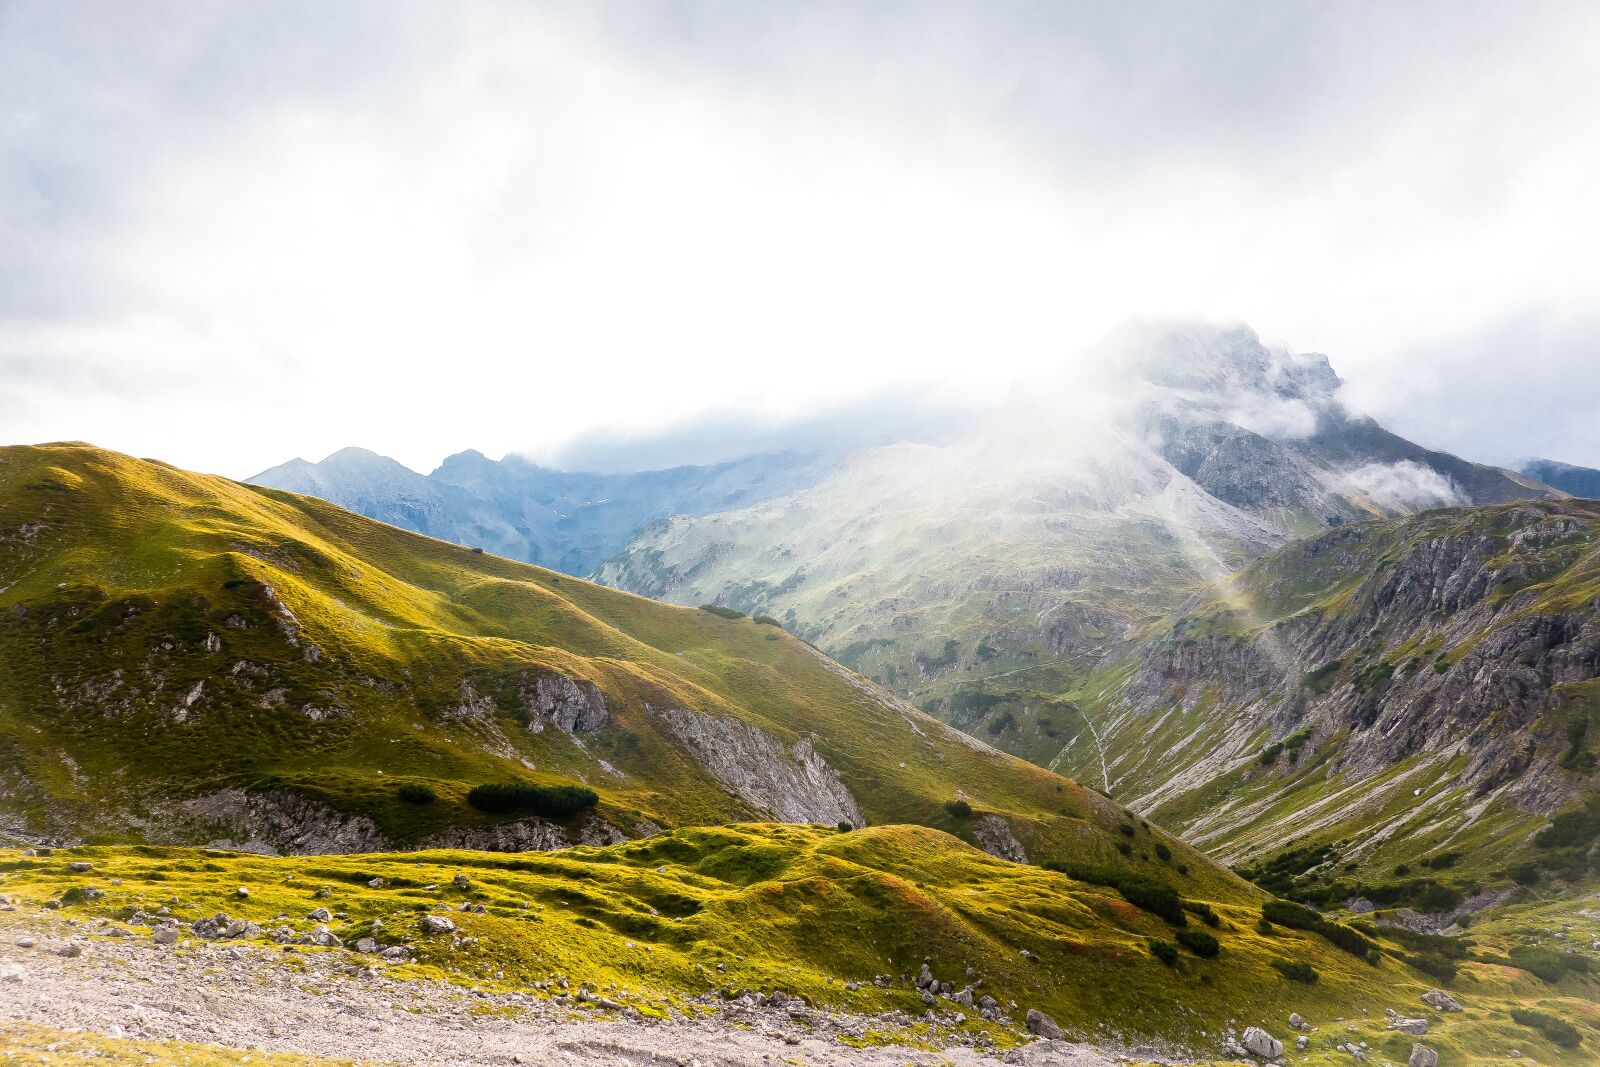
column 1579, row 481
column 565, row 520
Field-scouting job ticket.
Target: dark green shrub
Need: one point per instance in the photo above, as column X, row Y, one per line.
column 1286, row 913
column 416, row 793
column 1198, row 941
column 1139, row 890
column 1548, row 964
column 1124, row 848
column 1402, row 869
column 1432, row 964
column 766, row 620
column 1270, row 754
column 1525, row 874
column 1442, row 860
column 722, row 612
column 1264, row 928
column 1577, row 827
column 555, row 801
column 1001, row 723
column 1163, row 853
column 1165, row 951
column 1296, row 971
column 1201, row 910
column 1559, row 1031
column 845, row 826
column 476, row 551
column 959, row 808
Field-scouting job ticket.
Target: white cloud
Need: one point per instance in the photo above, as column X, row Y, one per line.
column 232, row 234
column 1404, row 486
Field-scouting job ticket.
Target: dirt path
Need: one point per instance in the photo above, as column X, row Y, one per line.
column 321, row 1004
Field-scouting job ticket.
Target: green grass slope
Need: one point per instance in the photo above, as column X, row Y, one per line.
column 185, row 659
column 653, row 924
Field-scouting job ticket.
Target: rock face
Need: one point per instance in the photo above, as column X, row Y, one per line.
column 278, row 821
column 1449, row 635
column 994, row 836
column 1261, row 1044
column 1414, row 1027
column 793, row 783
column 576, row 707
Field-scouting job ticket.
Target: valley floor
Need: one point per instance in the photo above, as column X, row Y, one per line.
column 132, row 1001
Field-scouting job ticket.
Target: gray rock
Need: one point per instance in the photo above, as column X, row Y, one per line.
column 398, row 953
column 964, row 997
column 323, row 937
column 211, row 928
column 12, row 972
column 376, row 883
column 462, row 882
column 1414, row 1027
column 1296, row 1022
column 437, row 924
column 1422, row 1056
column 241, row 892
column 80, row 867
column 165, row 935
column 70, row 949
column 1041, row 1024
column 1302, row 1043
column 1261, row 1044
column 1439, row 1000
column 368, row 946
column 320, row 915
column 242, row 928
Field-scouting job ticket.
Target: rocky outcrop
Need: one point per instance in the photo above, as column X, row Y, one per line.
column 527, row 835
column 556, row 700
column 277, row 821
column 994, row 836
column 792, row 783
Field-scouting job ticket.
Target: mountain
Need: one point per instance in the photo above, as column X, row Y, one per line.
column 561, row 519
column 1413, row 693
column 1031, row 549
column 1579, row 481
column 186, row 659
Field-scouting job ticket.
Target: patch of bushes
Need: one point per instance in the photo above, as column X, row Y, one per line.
column 1432, row 964
column 845, row 826
column 1001, row 723
column 1198, row 941
column 1163, row 853
column 416, row 793
column 1320, row 679
column 1165, row 951
column 1270, row 754
column 1286, row 913
column 1524, row 874
column 1141, row 891
column 766, row 620
column 1203, row 911
column 722, row 612
column 1558, row 1031
column 1280, row 873
column 554, row 801
column 1125, row 830
column 958, row 807
column 945, row 657
column 1442, row 861
column 1296, row 971
column 1125, row 848
column 1455, row 948
column 1548, row 964
column 1570, row 828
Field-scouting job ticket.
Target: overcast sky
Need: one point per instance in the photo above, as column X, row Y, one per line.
column 235, row 233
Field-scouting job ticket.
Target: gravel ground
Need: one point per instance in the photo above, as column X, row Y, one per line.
column 321, row 1004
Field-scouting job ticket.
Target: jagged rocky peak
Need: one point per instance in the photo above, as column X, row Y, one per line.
column 1215, row 360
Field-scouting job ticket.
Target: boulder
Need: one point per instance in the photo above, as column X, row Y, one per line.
column 211, row 928
column 1261, row 1044
column 1423, row 1056
column 1414, row 1027
column 320, row 915
column 1041, row 1024
column 242, row 928
column 80, row 867
column 1296, row 1022
column 461, row 881
column 165, row 935
column 1439, row 1000
column 11, row 972
column 322, row 937
column 437, row 924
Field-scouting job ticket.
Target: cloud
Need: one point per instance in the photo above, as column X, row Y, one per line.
column 234, row 233
column 1403, row 486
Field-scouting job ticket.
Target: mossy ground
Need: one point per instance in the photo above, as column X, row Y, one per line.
column 656, row 922
column 27, row 1045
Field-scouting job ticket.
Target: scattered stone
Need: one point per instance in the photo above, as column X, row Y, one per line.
column 1423, row 1056
column 376, row 883
column 211, row 928
column 323, row 894
column 80, row 867
column 1302, row 1043
column 368, row 946
column 1041, row 1024
column 1414, row 1027
column 437, row 924
column 1296, row 1022
column 1439, row 1000
column 461, row 882
column 12, row 972
column 242, row 928
column 322, row 937
column 1261, row 1044
column 25, row 942
column 320, row 915
column 117, row 931
column 241, row 892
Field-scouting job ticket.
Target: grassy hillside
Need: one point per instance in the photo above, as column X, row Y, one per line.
column 655, row 923
column 185, row 659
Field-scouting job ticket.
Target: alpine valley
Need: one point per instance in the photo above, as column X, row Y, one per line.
column 802, row 763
